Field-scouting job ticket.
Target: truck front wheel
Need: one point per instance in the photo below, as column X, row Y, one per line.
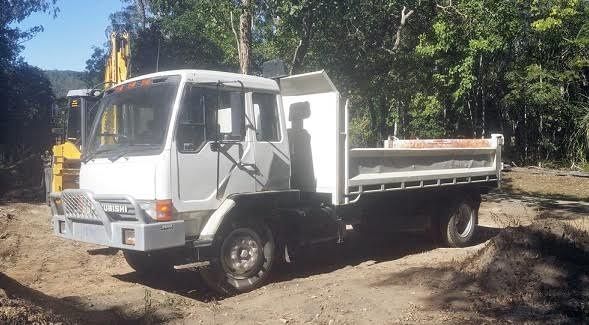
column 459, row 223
column 242, row 261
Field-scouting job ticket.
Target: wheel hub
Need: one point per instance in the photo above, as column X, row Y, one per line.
column 243, row 254
column 464, row 221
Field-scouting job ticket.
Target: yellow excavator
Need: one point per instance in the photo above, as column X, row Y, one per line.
column 65, row 163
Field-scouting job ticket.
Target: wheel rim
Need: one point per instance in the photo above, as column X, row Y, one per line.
column 464, row 221
column 242, row 253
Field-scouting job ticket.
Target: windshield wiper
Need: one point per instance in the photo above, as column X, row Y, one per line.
column 92, row 154
column 124, row 152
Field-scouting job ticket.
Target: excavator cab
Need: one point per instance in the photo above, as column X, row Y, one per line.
column 65, row 165
column 80, row 114
column 64, row 169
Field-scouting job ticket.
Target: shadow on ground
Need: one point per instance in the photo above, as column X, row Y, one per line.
column 22, row 304
column 562, row 209
column 525, row 274
column 315, row 260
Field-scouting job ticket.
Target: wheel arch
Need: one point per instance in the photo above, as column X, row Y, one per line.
column 249, row 207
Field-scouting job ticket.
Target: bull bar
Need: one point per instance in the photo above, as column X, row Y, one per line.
column 78, row 215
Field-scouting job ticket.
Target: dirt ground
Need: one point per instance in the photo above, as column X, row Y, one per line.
column 553, row 184
column 531, row 266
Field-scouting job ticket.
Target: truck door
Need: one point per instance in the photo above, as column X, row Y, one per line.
column 272, row 159
column 211, row 146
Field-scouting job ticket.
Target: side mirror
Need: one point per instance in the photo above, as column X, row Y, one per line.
column 231, row 120
column 225, row 120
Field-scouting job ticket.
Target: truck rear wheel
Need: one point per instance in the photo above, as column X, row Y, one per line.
column 460, row 223
column 242, row 261
column 148, row 263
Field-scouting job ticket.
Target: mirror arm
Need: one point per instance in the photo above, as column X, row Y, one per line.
column 242, row 120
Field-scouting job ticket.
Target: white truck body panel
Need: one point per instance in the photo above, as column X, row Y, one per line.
column 134, row 175
column 322, row 127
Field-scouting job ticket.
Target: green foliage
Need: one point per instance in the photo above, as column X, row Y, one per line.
column 95, row 67
column 63, row 80
column 27, row 99
column 359, row 132
column 464, row 68
column 518, row 68
column 427, row 117
column 25, row 92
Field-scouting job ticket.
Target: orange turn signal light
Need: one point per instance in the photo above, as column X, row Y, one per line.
column 163, row 210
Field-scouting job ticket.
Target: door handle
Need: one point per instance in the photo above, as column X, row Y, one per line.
column 250, row 168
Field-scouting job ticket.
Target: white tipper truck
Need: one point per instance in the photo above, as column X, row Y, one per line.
column 235, row 172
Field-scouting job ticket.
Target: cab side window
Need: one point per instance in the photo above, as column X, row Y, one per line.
column 191, row 132
column 266, row 116
column 207, row 115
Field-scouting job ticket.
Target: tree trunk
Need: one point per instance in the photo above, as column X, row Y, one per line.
column 404, row 16
column 526, row 133
column 373, row 120
column 245, row 36
column 303, row 47
column 483, row 98
column 472, row 122
column 140, row 5
column 383, row 110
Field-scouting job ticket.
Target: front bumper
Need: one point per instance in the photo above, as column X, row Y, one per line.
column 79, row 215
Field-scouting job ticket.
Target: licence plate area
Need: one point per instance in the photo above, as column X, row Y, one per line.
column 146, row 237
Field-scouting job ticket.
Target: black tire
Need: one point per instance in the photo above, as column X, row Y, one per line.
column 459, row 224
column 243, row 259
column 148, row 263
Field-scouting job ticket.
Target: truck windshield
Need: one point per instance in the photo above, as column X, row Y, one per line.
column 133, row 117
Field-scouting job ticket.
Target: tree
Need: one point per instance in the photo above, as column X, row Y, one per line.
column 26, row 97
column 95, row 66
column 11, row 37
column 443, row 68
column 514, row 68
column 27, row 100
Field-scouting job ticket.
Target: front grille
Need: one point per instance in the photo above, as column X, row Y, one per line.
column 79, row 205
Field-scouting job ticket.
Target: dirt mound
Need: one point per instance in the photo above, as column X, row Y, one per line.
column 18, row 311
column 538, row 273
column 542, row 269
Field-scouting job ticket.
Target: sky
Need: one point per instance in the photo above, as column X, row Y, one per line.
column 67, row 40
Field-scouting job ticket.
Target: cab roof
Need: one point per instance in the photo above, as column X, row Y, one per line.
column 249, row 82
